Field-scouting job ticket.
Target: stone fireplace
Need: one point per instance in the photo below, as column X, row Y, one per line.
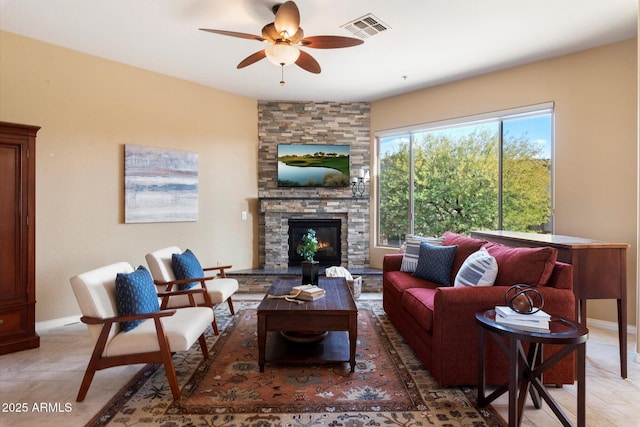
column 328, row 123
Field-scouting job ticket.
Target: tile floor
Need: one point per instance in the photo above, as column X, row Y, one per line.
column 44, row 382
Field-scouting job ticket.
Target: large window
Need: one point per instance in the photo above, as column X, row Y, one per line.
column 491, row 172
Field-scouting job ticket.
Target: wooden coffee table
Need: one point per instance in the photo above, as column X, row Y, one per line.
column 336, row 313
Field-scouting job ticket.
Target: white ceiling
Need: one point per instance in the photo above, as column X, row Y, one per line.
column 430, row 41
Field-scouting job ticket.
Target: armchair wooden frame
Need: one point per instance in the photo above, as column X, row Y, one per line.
column 207, row 298
column 162, row 356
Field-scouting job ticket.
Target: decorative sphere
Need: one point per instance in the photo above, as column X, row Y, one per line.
column 524, row 299
column 521, row 303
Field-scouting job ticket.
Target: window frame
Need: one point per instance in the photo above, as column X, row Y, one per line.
column 497, row 116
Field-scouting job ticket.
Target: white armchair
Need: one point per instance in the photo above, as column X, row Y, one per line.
column 218, row 289
column 160, row 334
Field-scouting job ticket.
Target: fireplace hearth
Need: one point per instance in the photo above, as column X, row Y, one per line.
column 328, row 233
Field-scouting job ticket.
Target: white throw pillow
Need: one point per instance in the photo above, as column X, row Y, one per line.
column 412, row 251
column 479, row 269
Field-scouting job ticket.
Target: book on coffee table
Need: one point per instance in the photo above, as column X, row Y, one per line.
column 307, row 292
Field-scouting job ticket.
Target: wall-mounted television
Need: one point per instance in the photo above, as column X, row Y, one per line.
column 313, row 165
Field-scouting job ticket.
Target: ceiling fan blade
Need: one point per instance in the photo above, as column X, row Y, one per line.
column 234, row 34
column 330, row 42
column 287, row 18
column 270, row 33
column 308, row 63
column 251, row 59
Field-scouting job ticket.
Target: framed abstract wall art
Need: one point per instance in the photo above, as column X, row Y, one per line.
column 160, row 185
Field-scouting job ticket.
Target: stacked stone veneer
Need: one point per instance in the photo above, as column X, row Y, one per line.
column 329, row 123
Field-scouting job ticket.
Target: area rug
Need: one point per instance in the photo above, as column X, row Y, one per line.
column 389, row 386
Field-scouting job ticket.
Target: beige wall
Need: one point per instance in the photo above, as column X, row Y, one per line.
column 88, row 109
column 595, row 96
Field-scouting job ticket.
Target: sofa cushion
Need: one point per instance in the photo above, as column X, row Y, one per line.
column 434, row 263
column 135, row 294
column 186, row 266
column 479, row 269
column 412, row 251
column 529, row 266
column 466, row 246
column 401, row 281
column 418, row 302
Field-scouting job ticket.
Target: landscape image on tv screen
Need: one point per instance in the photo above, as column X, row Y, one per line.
column 313, row 165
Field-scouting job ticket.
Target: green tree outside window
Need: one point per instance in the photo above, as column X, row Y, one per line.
column 456, row 182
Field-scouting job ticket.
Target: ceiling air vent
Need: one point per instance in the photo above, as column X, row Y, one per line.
column 365, row 26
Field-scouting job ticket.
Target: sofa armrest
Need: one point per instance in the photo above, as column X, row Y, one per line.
column 455, row 308
column 392, row 262
column 453, row 305
column 562, row 276
column 455, row 333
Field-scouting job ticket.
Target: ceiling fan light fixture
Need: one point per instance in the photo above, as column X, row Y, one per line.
column 283, row 35
column 282, row 54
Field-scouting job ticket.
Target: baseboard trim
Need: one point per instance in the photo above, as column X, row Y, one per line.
column 57, row 323
column 610, row 326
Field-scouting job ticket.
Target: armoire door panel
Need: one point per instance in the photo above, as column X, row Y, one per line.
column 17, row 238
column 12, row 263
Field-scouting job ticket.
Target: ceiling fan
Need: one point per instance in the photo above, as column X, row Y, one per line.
column 284, row 35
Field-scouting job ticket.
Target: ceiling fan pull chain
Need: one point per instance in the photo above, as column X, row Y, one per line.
column 282, row 74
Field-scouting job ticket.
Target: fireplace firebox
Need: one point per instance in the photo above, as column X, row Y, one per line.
column 329, row 240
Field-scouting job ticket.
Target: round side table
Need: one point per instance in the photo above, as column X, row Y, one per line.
column 526, row 368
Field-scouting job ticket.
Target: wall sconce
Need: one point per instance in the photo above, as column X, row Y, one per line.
column 358, row 183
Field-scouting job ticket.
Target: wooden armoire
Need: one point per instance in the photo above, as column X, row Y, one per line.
column 17, row 237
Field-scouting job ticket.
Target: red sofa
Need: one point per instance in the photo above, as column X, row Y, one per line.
column 439, row 322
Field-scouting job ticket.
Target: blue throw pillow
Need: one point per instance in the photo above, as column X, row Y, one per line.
column 435, row 262
column 135, row 294
column 186, row 266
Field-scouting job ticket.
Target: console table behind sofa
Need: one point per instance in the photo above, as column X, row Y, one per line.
column 599, row 271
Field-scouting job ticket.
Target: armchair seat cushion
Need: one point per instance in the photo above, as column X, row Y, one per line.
column 219, row 290
column 182, row 331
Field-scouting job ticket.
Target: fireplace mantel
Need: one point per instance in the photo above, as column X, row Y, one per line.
column 304, row 205
column 316, row 198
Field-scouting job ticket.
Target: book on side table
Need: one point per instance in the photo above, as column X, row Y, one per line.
column 534, row 322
